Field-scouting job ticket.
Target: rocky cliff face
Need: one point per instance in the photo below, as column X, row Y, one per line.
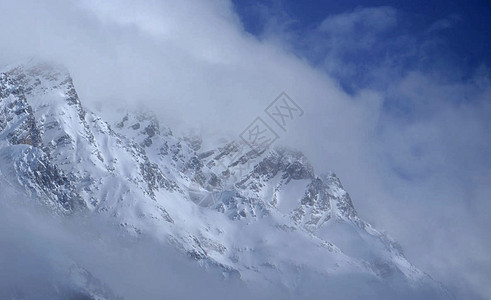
column 255, row 216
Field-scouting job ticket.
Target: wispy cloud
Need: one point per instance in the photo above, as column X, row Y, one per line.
column 360, row 23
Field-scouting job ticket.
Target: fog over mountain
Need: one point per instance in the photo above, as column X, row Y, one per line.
column 124, row 170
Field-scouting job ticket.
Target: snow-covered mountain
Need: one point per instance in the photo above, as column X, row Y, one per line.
column 258, row 217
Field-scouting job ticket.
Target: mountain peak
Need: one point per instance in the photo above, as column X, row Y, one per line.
column 36, row 66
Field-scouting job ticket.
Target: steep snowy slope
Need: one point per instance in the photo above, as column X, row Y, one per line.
column 255, row 216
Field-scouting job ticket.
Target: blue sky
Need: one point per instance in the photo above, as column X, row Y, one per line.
column 464, row 35
column 451, row 37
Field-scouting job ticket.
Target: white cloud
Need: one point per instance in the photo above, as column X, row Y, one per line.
column 362, row 20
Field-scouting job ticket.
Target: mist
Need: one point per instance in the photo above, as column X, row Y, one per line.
column 48, row 256
column 43, row 254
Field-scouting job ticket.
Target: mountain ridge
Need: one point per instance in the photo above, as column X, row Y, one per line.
column 253, row 215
